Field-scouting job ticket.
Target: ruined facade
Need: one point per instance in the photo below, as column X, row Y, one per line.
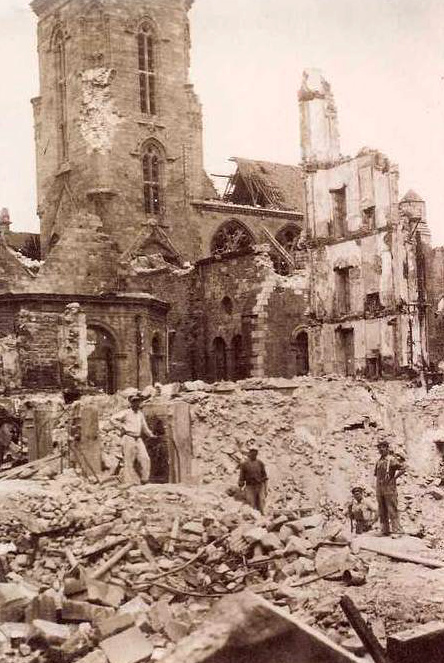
column 295, row 269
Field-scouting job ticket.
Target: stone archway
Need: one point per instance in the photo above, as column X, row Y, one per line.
column 102, row 369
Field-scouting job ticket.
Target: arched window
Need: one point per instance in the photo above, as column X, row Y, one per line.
column 147, row 70
column 101, row 359
column 219, row 359
column 288, row 237
column 227, row 305
column 231, row 236
column 61, row 102
column 152, row 168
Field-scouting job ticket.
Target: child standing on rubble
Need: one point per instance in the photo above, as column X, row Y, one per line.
column 362, row 512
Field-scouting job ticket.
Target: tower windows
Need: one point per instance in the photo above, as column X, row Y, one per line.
column 61, row 101
column 152, row 166
column 147, row 70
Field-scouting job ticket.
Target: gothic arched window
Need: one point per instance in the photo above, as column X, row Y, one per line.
column 152, row 167
column 288, row 237
column 61, row 102
column 146, row 44
column 231, row 236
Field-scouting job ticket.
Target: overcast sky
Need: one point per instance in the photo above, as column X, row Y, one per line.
column 383, row 58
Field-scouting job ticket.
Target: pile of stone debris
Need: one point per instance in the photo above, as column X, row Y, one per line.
column 88, row 572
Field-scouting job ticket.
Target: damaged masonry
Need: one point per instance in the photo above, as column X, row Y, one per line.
column 208, row 403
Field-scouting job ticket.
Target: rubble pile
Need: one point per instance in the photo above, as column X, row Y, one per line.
column 89, row 570
column 82, row 564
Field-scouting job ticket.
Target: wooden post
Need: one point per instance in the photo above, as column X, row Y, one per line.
column 365, row 633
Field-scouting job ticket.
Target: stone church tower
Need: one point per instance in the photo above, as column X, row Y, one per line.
column 118, row 126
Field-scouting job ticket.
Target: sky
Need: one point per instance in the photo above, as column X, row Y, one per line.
column 383, row 58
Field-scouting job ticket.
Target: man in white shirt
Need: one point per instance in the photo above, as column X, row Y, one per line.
column 132, row 424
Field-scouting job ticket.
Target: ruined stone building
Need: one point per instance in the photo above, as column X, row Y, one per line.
column 149, row 275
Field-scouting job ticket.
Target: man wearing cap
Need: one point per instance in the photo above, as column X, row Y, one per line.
column 361, row 511
column 132, row 424
column 254, row 477
column 387, row 470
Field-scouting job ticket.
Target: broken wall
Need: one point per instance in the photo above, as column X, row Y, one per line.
column 370, row 181
column 434, row 260
column 231, row 316
column 364, row 278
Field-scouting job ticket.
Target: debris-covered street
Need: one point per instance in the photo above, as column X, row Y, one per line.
column 95, row 570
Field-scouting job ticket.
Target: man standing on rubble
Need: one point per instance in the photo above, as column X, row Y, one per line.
column 132, row 424
column 387, row 471
column 254, row 477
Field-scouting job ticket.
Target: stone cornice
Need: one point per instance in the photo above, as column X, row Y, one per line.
column 123, row 299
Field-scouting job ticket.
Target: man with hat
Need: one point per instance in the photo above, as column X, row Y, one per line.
column 361, row 511
column 387, row 471
column 254, row 477
column 132, row 424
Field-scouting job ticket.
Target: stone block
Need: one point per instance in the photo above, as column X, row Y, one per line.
column 421, row 643
column 16, row 632
column 134, row 607
column 113, row 625
column 51, row 633
column 104, row 593
column 14, row 598
column 248, row 628
column 80, row 611
column 130, row 646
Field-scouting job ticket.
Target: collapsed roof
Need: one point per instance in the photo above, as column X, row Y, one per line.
column 266, row 184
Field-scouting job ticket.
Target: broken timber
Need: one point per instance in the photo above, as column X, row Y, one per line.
column 365, row 633
column 403, row 557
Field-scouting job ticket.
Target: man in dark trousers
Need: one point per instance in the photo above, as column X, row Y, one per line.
column 254, row 477
column 388, row 469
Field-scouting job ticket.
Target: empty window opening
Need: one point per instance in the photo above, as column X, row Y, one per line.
column 343, row 300
column 152, row 165
column 101, row 360
column 301, row 352
column 339, row 211
column 227, row 305
column 345, row 349
column 373, row 366
column 219, row 359
column 369, row 217
column 147, row 70
column 61, row 100
column 230, row 237
column 288, row 237
column 373, row 303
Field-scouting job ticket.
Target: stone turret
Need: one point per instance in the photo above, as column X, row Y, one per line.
column 318, row 120
column 413, row 207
